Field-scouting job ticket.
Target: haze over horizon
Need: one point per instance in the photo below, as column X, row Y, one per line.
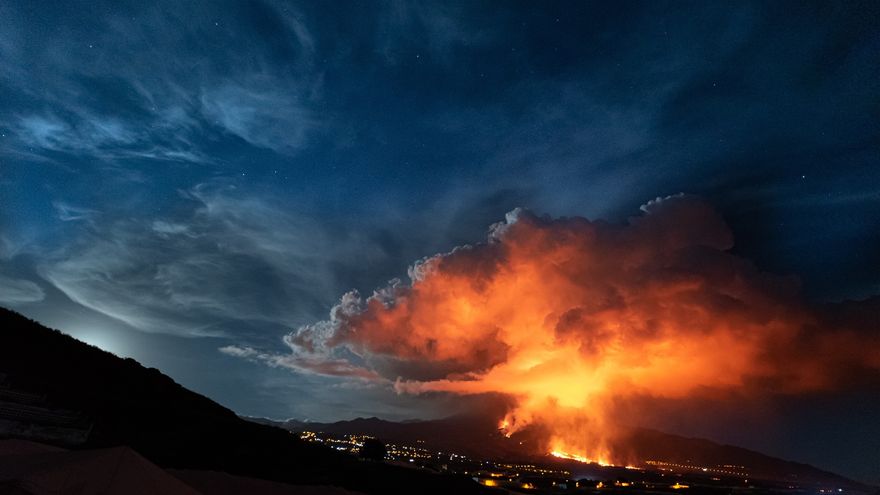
column 190, row 185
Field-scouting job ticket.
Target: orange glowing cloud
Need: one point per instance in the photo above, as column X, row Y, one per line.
column 567, row 315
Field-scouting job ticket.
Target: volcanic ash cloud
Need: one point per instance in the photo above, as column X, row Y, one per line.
column 566, row 316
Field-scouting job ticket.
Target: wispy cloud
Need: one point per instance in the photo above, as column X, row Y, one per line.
column 15, row 291
column 113, row 106
column 70, row 213
column 305, row 364
column 262, row 115
column 229, row 258
column 407, row 30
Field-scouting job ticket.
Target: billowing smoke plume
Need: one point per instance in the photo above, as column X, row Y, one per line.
column 565, row 316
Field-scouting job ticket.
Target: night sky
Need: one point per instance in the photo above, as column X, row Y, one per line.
column 181, row 177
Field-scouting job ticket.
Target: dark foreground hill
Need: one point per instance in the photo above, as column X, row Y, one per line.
column 118, row 402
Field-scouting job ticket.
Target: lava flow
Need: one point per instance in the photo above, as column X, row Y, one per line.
column 579, row 458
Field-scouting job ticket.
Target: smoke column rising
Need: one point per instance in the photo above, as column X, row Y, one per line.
column 566, row 316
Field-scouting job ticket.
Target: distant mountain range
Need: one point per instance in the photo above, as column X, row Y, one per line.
column 479, row 437
column 56, row 384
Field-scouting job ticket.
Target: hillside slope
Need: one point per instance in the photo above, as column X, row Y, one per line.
column 128, row 404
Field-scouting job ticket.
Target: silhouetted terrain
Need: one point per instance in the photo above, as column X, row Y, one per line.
column 127, row 404
column 479, row 437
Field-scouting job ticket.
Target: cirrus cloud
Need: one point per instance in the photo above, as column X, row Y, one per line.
column 15, row 291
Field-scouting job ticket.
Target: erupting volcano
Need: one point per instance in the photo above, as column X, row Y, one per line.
column 446, row 246
column 568, row 318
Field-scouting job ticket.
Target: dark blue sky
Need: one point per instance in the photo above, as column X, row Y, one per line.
column 176, row 177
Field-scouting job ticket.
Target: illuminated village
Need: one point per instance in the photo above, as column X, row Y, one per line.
column 559, row 472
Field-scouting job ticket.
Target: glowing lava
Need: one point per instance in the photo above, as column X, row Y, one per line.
column 504, row 428
column 579, row 458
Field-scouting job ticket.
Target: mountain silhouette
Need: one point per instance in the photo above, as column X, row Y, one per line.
column 58, row 390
